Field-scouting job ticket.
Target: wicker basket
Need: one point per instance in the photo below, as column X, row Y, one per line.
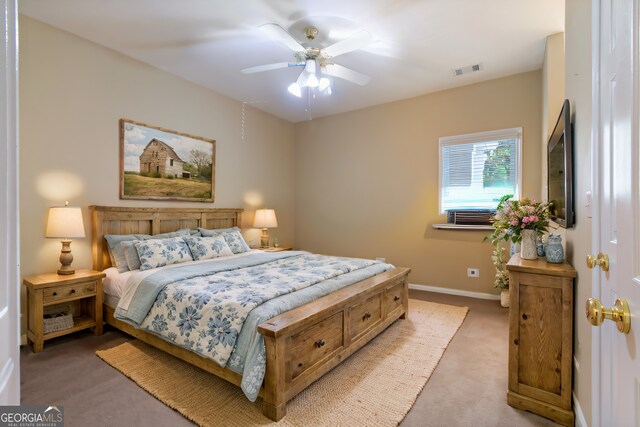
column 57, row 319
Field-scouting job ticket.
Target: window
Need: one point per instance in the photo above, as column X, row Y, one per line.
column 476, row 170
column 170, row 162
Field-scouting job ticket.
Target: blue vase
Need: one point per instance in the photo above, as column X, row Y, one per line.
column 540, row 249
column 514, row 249
column 554, row 250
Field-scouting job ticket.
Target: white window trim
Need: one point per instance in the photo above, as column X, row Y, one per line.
column 482, row 137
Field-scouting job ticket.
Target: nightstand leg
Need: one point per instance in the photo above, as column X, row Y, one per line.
column 98, row 309
column 38, row 319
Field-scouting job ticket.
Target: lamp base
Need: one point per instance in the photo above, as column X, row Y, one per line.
column 66, row 259
column 264, row 239
column 62, row 272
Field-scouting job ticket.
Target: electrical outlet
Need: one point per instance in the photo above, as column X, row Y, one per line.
column 473, row 272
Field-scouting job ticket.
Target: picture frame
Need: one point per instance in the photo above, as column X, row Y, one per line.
column 162, row 164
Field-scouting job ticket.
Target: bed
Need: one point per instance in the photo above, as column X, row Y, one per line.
column 300, row 344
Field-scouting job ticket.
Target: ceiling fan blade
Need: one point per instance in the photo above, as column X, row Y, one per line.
column 275, row 66
column 351, row 43
column 345, row 73
column 278, row 33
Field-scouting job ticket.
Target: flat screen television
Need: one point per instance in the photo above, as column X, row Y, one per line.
column 560, row 170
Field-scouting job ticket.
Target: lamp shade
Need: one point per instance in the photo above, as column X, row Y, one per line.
column 65, row 222
column 265, row 218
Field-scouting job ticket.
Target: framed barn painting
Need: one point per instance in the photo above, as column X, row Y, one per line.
column 161, row 164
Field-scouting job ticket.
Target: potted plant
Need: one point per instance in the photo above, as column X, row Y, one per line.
column 502, row 275
column 498, row 236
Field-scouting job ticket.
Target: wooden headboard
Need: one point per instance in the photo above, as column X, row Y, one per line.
column 123, row 220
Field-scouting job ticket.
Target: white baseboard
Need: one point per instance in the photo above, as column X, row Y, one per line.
column 577, row 410
column 470, row 294
column 23, row 339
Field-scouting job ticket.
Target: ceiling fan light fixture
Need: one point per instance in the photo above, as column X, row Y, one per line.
column 294, row 89
column 312, row 80
column 324, row 83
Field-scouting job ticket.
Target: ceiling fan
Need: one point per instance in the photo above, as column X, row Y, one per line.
column 314, row 58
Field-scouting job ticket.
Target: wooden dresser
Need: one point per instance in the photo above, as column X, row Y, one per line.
column 541, row 338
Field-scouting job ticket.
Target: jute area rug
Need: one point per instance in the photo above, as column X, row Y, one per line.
column 376, row 386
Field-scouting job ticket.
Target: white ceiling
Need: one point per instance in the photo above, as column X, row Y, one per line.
column 417, row 42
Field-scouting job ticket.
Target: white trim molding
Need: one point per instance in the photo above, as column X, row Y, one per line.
column 577, row 410
column 450, row 291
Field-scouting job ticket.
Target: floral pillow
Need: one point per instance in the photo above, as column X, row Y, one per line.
column 231, row 235
column 208, row 247
column 160, row 252
column 117, row 250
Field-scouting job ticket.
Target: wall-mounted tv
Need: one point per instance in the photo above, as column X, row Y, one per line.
column 560, row 170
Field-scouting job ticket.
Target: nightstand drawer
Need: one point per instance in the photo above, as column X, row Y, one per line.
column 66, row 292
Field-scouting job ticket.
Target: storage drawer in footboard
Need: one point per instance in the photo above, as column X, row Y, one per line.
column 315, row 343
column 365, row 315
column 393, row 298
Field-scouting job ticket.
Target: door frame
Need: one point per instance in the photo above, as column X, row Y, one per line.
column 10, row 240
column 596, row 336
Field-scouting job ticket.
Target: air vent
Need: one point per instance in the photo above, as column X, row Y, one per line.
column 467, row 70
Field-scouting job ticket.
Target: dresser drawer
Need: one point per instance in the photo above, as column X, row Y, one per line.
column 315, row 343
column 67, row 292
column 365, row 315
column 393, row 297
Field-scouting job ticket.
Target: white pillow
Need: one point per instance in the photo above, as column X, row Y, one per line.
column 160, row 252
column 208, row 247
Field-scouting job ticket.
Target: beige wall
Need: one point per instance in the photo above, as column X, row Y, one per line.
column 552, row 94
column 578, row 82
column 72, row 94
column 367, row 180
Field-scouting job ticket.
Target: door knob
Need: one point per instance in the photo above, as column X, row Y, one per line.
column 619, row 313
column 602, row 260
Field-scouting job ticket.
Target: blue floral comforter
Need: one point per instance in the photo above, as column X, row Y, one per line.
column 213, row 308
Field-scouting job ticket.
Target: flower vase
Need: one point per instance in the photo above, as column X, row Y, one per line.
column 529, row 249
column 504, row 298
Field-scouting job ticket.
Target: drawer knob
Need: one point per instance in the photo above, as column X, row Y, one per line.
column 320, row 343
column 396, row 298
column 367, row 316
column 54, row 294
column 73, row 291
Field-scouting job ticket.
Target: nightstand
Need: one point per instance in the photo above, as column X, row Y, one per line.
column 278, row 249
column 80, row 293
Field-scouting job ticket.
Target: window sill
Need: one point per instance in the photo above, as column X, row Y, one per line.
column 461, row 227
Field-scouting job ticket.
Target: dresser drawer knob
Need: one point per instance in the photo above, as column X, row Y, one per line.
column 73, row 291
column 320, row 343
column 54, row 294
column 367, row 316
column 396, row 298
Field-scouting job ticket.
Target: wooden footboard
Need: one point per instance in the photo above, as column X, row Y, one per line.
column 305, row 343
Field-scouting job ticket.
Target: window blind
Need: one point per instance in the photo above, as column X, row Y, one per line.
column 476, row 174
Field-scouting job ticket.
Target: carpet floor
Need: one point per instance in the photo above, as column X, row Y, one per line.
column 468, row 387
column 375, row 386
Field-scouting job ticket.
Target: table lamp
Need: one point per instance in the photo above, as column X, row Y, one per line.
column 65, row 222
column 265, row 218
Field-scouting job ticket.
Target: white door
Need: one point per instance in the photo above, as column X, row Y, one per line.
column 9, row 269
column 616, row 356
